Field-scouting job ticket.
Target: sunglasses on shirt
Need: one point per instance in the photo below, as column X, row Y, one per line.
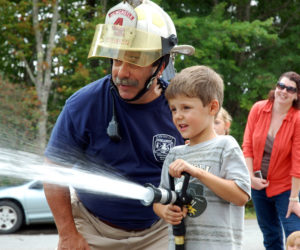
column 289, row 89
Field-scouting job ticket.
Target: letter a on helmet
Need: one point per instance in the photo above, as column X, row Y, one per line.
column 139, row 36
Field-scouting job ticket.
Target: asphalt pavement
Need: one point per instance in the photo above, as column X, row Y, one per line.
column 45, row 238
column 253, row 238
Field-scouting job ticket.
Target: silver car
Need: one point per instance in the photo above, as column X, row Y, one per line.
column 23, row 204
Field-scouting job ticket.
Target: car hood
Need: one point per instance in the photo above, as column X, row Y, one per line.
column 12, row 191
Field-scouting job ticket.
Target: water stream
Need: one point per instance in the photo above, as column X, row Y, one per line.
column 24, row 165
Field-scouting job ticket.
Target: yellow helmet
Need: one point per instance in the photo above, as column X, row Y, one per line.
column 139, row 36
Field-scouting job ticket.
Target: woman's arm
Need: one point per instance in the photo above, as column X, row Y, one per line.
column 256, row 183
column 294, row 205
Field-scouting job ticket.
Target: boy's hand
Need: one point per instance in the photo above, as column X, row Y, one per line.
column 178, row 166
column 173, row 214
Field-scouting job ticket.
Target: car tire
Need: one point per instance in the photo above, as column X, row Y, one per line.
column 11, row 217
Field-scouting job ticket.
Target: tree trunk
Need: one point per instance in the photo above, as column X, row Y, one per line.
column 104, row 6
column 42, row 80
column 42, row 128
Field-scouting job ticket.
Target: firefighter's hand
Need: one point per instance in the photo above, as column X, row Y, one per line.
column 73, row 241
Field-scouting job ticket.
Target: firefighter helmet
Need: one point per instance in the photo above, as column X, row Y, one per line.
column 139, row 36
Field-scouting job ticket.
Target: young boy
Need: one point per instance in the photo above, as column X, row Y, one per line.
column 293, row 241
column 215, row 163
column 223, row 122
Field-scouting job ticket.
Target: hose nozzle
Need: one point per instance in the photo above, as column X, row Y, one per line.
column 159, row 195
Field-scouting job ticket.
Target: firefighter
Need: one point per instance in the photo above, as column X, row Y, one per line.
column 122, row 121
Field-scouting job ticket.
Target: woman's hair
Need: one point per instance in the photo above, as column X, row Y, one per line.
column 292, row 76
column 197, row 81
column 292, row 237
column 226, row 117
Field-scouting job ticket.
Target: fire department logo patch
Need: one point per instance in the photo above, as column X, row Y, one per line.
column 161, row 145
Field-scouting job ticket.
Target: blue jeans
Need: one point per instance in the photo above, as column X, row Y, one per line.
column 271, row 219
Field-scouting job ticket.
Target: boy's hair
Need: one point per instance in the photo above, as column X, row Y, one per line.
column 226, row 117
column 197, row 81
column 292, row 237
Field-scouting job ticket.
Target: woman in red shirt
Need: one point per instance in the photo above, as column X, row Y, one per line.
column 271, row 147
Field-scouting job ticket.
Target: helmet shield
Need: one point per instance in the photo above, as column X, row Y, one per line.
column 126, row 44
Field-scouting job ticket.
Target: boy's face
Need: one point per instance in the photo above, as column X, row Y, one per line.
column 296, row 245
column 192, row 120
column 221, row 127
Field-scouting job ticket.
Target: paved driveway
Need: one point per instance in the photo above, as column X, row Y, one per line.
column 253, row 239
column 46, row 239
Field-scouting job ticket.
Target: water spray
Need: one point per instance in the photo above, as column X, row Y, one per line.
column 24, row 165
column 28, row 166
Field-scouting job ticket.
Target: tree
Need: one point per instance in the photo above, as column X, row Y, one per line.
column 40, row 69
column 250, row 43
column 19, row 115
column 41, row 43
column 42, row 80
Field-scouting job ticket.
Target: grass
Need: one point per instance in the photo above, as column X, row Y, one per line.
column 249, row 211
column 250, row 215
column 9, row 181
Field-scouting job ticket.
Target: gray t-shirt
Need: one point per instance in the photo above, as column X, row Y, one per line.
column 220, row 226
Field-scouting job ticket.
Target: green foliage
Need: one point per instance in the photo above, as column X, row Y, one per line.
column 9, row 181
column 236, row 49
column 18, row 115
column 250, row 211
column 250, row 45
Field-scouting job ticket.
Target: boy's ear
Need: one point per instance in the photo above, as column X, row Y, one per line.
column 227, row 125
column 214, row 107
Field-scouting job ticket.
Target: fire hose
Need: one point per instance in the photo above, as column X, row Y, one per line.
column 194, row 200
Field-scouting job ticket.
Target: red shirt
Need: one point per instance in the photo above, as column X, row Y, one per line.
column 285, row 157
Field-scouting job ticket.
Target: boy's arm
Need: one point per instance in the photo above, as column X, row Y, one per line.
column 226, row 189
column 158, row 209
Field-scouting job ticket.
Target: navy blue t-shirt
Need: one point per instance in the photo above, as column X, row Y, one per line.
column 147, row 133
